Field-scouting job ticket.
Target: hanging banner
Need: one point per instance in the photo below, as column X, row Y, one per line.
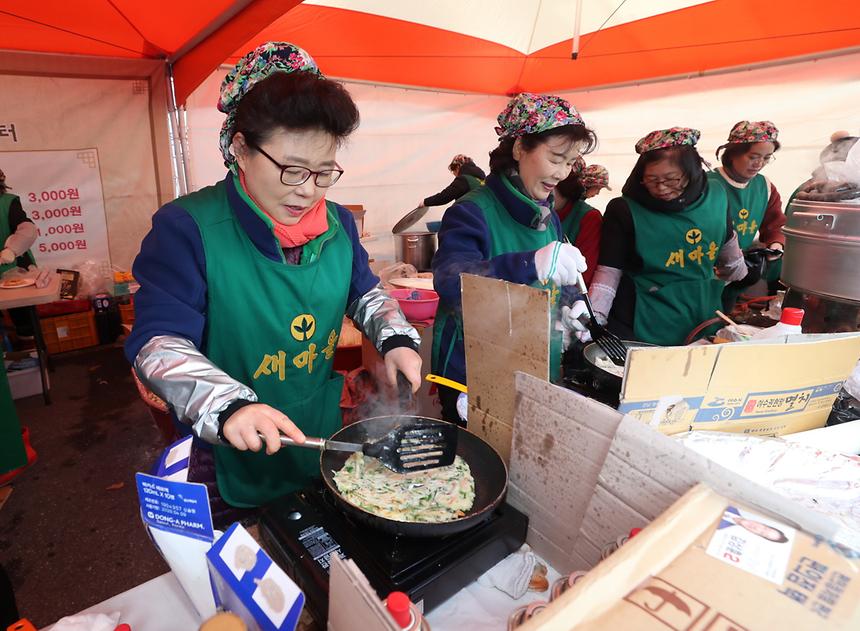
column 61, row 191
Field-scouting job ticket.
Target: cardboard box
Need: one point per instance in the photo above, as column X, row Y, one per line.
column 772, row 387
column 709, row 563
column 585, row 474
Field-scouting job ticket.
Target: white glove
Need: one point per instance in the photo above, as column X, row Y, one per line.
column 463, row 406
column 572, row 321
column 512, row 574
column 559, row 262
column 7, row 256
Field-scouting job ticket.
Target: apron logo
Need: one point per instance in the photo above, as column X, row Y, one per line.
column 303, row 327
column 694, row 235
column 744, row 213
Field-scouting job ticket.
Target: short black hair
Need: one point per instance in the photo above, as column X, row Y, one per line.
column 295, row 101
column 685, row 157
column 733, row 150
column 502, row 157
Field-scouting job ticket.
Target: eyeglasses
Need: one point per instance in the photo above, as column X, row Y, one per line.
column 761, row 159
column 295, row 175
column 668, row 182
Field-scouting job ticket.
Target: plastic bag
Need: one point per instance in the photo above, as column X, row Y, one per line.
column 845, row 409
column 96, row 278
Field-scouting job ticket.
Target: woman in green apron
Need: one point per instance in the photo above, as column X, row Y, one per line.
column 507, row 228
column 754, row 202
column 244, row 285
column 580, row 222
column 667, row 246
column 467, row 177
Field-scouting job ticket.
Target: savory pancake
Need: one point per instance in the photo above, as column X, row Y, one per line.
column 433, row 495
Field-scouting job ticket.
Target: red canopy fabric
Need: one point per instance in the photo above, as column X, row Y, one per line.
column 369, row 45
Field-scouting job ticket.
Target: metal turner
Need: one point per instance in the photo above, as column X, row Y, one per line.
column 412, row 447
column 608, row 342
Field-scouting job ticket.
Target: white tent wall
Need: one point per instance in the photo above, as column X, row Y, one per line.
column 116, row 106
column 400, row 153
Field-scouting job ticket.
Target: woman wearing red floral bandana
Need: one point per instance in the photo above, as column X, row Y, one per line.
column 667, row 247
column 507, row 228
column 244, row 286
column 580, row 221
column 754, row 202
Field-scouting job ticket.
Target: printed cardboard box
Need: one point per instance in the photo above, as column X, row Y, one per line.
column 711, row 564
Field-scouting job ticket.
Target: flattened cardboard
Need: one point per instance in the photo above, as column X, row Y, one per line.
column 353, row 603
column 664, row 579
column 585, row 474
column 506, row 329
column 776, row 387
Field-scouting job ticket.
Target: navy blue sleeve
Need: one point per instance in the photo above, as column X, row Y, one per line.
column 171, row 270
column 363, row 280
column 464, row 246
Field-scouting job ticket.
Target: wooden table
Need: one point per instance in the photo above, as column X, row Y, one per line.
column 30, row 297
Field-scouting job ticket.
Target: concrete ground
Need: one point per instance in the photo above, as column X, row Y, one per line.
column 70, row 532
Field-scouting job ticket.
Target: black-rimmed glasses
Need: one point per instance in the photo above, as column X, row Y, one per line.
column 295, row 175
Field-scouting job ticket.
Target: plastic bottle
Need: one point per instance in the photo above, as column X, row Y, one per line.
column 789, row 324
column 405, row 613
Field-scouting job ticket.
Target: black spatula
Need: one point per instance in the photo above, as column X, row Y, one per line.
column 413, row 447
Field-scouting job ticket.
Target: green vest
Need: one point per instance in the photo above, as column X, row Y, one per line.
column 570, row 225
column 676, row 288
column 747, row 205
column 273, row 327
column 506, row 235
column 12, row 453
column 473, row 182
column 6, row 200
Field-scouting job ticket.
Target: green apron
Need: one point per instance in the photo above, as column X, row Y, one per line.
column 273, row 327
column 6, row 200
column 12, row 454
column 570, row 225
column 676, row 288
column 506, row 235
column 474, row 182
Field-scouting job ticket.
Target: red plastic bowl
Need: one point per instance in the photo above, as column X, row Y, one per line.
column 417, row 304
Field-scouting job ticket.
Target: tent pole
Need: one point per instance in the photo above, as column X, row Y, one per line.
column 178, row 140
column 577, row 27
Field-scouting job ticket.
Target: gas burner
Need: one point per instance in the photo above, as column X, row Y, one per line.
column 302, row 530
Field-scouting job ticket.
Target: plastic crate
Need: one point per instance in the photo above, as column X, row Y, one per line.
column 69, row 332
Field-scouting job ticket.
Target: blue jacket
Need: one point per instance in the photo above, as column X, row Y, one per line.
column 464, row 246
column 171, row 270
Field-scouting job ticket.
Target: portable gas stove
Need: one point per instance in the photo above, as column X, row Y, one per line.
column 577, row 375
column 302, row 530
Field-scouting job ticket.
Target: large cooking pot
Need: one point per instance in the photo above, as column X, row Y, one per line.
column 416, row 248
column 822, row 248
column 487, row 466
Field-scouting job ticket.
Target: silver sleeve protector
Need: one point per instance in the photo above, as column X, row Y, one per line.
column 192, row 386
column 731, row 265
column 378, row 316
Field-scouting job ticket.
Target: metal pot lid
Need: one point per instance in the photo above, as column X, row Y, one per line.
column 832, row 220
column 410, row 219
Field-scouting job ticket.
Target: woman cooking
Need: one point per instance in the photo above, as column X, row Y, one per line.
column 754, row 202
column 594, row 177
column 506, row 229
column 467, row 177
column 580, row 222
column 244, row 285
column 661, row 242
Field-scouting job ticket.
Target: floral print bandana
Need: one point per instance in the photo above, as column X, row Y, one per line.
column 529, row 113
column 578, row 167
column 260, row 63
column 595, row 175
column 672, row 137
column 753, row 131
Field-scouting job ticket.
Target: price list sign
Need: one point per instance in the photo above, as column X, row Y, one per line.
column 61, row 191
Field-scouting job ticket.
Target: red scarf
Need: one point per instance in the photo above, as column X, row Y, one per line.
column 312, row 224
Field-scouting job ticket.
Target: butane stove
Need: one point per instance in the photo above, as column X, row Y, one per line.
column 302, row 530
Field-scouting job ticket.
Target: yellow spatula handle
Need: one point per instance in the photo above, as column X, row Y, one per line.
column 442, row 381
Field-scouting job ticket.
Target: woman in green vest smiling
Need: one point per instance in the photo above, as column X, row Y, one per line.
column 580, row 221
column 754, row 202
column 244, row 285
column 661, row 242
column 507, row 228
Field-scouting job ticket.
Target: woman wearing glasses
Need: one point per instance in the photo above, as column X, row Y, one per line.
column 667, row 245
column 244, row 285
column 754, row 202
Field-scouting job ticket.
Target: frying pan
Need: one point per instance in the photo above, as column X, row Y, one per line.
column 488, row 469
column 604, row 378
